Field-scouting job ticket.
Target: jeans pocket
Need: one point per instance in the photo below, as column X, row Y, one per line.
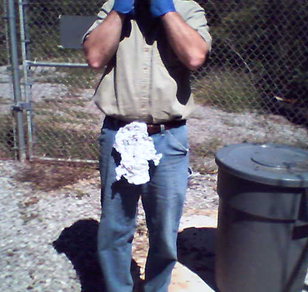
column 178, row 140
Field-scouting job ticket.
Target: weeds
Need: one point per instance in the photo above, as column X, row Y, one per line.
column 54, row 141
column 7, row 142
column 228, row 90
column 202, row 154
column 78, row 78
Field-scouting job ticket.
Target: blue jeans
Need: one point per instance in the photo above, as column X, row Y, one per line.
column 162, row 198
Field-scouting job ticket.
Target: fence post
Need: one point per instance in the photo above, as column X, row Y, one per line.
column 18, row 108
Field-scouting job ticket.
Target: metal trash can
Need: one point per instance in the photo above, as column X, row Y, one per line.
column 262, row 237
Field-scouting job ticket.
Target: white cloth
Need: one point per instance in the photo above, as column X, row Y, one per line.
column 136, row 148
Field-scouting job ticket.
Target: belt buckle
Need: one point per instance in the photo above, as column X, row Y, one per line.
column 155, row 128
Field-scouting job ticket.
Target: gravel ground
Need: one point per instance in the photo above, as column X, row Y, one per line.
column 49, row 221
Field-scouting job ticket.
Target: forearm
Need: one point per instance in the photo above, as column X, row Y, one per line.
column 187, row 44
column 102, row 43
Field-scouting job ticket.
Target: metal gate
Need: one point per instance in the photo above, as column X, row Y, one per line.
column 55, row 115
column 9, row 82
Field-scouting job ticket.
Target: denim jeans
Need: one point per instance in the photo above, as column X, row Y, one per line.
column 162, row 198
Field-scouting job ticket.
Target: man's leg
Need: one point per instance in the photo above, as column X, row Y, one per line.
column 117, row 225
column 163, row 203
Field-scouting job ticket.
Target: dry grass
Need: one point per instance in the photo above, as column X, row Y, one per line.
column 48, row 177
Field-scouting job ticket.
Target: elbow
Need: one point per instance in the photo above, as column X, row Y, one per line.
column 93, row 59
column 198, row 58
column 196, row 62
column 94, row 62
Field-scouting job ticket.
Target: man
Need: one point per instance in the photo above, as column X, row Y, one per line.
column 147, row 49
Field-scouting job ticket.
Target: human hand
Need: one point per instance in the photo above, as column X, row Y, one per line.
column 161, row 7
column 123, row 6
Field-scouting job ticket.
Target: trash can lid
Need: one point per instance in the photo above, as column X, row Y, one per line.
column 273, row 164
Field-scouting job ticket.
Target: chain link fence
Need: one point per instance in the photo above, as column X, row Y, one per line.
column 260, row 57
column 259, row 63
column 7, row 130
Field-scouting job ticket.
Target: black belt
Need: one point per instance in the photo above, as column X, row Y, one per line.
column 155, row 128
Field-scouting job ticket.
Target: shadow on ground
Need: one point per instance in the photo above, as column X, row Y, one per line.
column 78, row 243
column 196, row 251
column 196, row 248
